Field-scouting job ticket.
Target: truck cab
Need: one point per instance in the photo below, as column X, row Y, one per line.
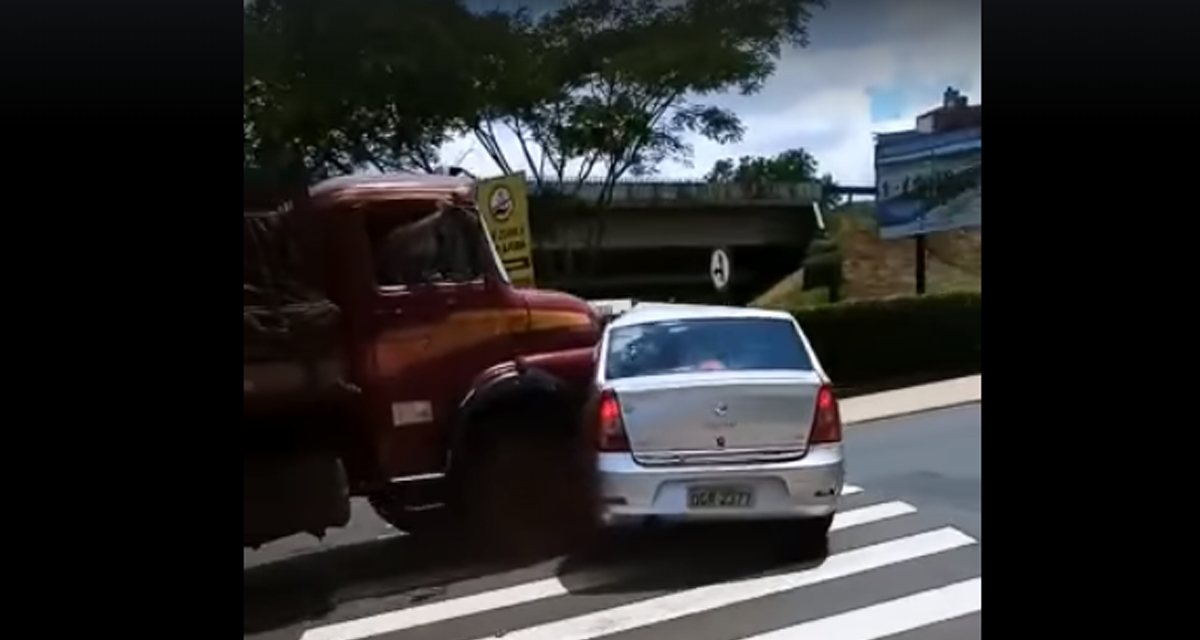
column 448, row 361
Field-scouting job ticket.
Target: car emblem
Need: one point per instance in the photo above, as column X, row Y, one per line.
column 721, row 442
column 720, row 410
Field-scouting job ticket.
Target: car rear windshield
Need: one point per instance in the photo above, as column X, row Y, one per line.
column 726, row 344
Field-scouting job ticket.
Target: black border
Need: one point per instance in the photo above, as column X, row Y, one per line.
column 123, row 178
column 1088, row 109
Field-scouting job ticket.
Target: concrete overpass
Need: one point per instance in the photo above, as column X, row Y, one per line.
column 655, row 238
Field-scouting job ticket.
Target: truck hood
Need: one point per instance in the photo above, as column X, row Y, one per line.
column 544, row 300
column 556, row 310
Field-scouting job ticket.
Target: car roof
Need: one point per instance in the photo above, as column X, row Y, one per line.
column 645, row 312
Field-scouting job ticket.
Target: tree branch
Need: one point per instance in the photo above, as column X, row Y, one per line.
column 486, row 136
column 515, row 125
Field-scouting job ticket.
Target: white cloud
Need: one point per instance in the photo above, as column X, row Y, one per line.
column 821, row 98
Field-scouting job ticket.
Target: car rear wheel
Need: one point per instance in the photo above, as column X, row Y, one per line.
column 809, row 538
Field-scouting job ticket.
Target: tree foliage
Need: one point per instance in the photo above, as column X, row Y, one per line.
column 603, row 89
column 330, row 86
column 593, row 89
column 790, row 166
column 793, row 165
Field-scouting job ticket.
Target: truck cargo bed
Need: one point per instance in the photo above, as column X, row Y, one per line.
column 290, row 350
column 290, row 329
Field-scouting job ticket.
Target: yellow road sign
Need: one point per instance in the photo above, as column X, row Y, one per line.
column 504, row 203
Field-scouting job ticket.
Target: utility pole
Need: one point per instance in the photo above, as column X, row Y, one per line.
column 922, row 256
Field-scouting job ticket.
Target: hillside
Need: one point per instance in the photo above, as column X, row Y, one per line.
column 876, row 268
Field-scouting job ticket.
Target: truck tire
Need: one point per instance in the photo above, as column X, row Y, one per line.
column 524, row 487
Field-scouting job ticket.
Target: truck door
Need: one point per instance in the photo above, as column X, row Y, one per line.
column 408, row 310
column 482, row 314
column 479, row 317
column 440, row 324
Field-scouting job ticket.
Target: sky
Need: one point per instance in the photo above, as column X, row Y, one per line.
column 872, row 66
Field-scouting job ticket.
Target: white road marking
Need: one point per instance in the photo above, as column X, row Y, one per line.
column 438, row 611
column 849, row 489
column 890, row 618
column 434, row 612
column 873, row 513
column 693, row 601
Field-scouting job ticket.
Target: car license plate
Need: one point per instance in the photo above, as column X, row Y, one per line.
column 720, row 498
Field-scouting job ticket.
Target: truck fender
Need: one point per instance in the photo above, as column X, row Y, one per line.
column 495, row 386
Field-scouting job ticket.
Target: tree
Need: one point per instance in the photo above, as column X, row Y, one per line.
column 292, row 80
column 424, row 69
column 604, row 89
column 611, row 88
column 330, row 86
column 596, row 87
column 793, row 165
column 754, row 173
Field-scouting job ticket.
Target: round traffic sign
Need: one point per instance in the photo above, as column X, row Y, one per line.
column 501, row 204
column 719, row 269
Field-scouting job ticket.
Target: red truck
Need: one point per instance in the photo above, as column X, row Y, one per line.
column 387, row 355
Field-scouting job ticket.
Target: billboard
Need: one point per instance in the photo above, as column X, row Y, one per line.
column 928, row 182
column 504, row 203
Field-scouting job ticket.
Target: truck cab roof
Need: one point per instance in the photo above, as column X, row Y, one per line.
column 394, row 186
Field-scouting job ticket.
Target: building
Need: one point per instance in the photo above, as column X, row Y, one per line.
column 954, row 114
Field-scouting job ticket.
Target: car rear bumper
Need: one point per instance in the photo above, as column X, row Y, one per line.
column 804, row 488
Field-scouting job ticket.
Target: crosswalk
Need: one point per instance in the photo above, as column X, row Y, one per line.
column 888, row 573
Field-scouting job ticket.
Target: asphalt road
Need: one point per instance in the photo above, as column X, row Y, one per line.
column 904, row 562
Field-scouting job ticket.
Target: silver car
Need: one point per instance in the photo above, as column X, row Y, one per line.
column 715, row 413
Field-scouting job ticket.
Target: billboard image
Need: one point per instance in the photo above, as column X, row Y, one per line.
column 928, row 182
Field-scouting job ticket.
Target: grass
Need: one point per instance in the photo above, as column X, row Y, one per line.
column 875, row 268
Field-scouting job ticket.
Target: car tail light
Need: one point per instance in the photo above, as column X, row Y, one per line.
column 827, row 421
column 610, row 433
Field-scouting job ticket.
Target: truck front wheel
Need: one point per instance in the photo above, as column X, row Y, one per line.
column 524, row 484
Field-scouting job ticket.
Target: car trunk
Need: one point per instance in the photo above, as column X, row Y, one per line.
column 718, row 417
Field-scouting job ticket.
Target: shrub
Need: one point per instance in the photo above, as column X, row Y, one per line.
column 867, row 341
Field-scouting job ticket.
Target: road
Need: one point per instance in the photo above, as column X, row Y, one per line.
column 905, row 562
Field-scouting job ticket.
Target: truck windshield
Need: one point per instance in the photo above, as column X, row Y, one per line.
column 449, row 245
column 725, row 344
